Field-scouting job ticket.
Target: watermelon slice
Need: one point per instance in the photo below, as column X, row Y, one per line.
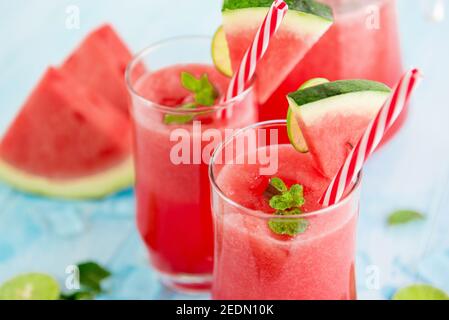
column 304, row 24
column 100, row 63
column 67, row 141
column 331, row 117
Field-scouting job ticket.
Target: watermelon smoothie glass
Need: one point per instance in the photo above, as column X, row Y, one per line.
column 172, row 185
column 254, row 262
column 363, row 43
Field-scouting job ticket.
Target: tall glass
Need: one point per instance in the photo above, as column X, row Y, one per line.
column 171, row 160
column 363, row 43
column 252, row 261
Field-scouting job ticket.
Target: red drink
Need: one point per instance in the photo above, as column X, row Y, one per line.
column 173, row 205
column 253, row 262
column 363, row 43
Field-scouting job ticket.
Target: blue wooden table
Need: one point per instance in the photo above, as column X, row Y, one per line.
column 37, row 234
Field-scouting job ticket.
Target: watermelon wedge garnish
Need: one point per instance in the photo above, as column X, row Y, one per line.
column 100, row 63
column 328, row 119
column 67, row 141
column 304, row 24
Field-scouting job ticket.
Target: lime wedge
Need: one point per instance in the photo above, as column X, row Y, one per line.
column 220, row 53
column 312, row 83
column 295, row 134
column 293, row 129
column 30, row 286
column 420, row 292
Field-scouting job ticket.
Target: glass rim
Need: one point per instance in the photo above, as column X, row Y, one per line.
column 259, row 213
column 169, row 109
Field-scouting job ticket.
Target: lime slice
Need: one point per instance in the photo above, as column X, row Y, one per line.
column 293, row 129
column 295, row 134
column 220, row 53
column 30, row 286
column 420, row 292
column 312, row 83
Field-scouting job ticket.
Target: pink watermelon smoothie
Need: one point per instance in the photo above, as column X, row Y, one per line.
column 173, row 206
column 251, row 262
column 355, row 47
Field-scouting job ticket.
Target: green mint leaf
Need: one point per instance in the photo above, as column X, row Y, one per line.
column 293, row 212
column 286, row 203
column 282, row 202
column 420, row 292
column 180, row 118
column 275, row 187
column 189, row 82
column 278, row 184
column 288, row 226
column 404, row 216
column 91, row 275
column 288, row 199
column 205, row 98
column 204, row 95
column 207, row 94
column 297, row 192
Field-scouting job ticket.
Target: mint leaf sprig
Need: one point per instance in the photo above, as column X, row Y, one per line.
column 401, row 217
column 286, row 202
column 91, row 276
column 204, row 94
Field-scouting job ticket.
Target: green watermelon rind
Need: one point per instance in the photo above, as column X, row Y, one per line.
column 336, row 88
column 94, row 186
column 304, row 6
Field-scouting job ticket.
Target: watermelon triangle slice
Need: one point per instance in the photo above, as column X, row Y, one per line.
column 67, row 141
column 304, row 24
column 331, row 117
column 100, row 63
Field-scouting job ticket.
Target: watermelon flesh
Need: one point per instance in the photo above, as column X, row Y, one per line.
column 331, row 139
column 289, row 45
column 100, row 63
column 64, row 130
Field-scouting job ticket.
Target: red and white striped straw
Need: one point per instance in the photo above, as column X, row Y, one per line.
column 255, row 52
column 373, row 135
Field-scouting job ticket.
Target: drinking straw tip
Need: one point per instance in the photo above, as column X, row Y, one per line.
column 280, row 4
column 417, row 75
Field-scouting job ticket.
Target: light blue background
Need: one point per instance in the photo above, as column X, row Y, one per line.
column 38, row 234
